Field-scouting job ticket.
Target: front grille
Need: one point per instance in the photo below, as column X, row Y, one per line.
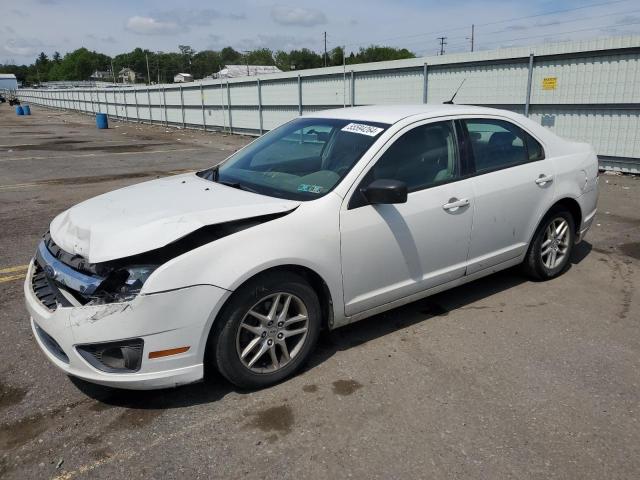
column 44, row 289
column 51, row 344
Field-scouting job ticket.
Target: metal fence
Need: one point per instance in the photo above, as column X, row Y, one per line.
column 587, row 90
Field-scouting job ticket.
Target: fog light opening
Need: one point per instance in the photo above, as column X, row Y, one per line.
column 114, row 357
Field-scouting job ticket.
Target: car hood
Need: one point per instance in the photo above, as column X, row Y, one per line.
column 150, row 215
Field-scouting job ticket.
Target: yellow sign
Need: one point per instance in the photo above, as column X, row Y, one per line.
column 549, row 83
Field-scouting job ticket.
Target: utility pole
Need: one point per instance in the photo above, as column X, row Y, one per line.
column 325, row 49
column 113, row 72
column 344, row 76
column 148, row 74
column 443, row 42
column 473, row 35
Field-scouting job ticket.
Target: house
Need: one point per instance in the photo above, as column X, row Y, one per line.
column 8, row 81
column 234, row 71
column 183, row 78
column 127, row 75
column 101, row 75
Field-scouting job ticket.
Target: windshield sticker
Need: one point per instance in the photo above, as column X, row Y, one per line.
column 303, row 187
column 362, row 129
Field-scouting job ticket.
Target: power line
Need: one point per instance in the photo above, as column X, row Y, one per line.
column 452, row 29
column 559, row 33
column 495, row 32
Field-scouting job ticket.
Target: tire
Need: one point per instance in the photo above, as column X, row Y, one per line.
column 540, row 266
column 238, row 329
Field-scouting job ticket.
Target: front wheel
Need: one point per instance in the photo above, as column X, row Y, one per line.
column 267, row 331
column 551, row 247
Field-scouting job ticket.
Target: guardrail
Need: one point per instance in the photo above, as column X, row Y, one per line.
column 588, row 91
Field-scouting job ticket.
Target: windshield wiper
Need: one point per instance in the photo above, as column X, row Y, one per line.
column 237, row 185
column 213, row 175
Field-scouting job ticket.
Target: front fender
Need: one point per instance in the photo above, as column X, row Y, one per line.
column 307, row 237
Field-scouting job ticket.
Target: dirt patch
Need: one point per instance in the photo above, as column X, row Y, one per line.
column 67, row 145
column 54, row 145
column 18, row 433
column 106, row 178
column 274, row 419
column 102, row 453
column 310, row 388
column 120, row 148
column 134, row 419
column 10, row 395
column 346, row 387
column 30, row 132
column 631, row 250
column 91, row 440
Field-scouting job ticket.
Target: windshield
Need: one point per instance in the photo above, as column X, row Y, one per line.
column 301, row 160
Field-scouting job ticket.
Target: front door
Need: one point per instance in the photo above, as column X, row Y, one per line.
column 393, row 251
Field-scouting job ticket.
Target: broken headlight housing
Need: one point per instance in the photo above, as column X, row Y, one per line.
column 123, row 284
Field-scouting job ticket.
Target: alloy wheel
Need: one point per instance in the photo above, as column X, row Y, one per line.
column 272, row 332
column 555, row 245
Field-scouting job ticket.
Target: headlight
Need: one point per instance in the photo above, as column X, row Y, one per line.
column 123, row 284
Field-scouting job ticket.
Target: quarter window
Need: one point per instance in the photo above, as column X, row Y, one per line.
column 499, row 144
column 422, row 157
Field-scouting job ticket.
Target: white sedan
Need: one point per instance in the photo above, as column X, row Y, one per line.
column 326, row 220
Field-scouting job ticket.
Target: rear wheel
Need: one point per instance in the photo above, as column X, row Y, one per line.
column 267, row 331
column 551, row 247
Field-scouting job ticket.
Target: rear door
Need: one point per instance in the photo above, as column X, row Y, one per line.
column 393, row 251
column 513, row 184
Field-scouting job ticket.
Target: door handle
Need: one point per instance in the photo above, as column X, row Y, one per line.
column 544, row 179
column 453, row 204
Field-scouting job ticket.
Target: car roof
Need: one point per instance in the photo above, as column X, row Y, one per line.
column 394, row 113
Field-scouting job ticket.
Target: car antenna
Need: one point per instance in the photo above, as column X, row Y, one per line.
column 450, row 102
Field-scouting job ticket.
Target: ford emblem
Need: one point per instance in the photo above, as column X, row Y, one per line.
column 50, row 272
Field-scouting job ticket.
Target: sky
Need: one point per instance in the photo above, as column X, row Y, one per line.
column 28, row 27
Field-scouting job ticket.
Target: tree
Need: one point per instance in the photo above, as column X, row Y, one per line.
column 376, row 53
column 336, row 56
column 298, row 60
column 206, row 62
column 261, row 56
column 187, row 53
column 230, row 56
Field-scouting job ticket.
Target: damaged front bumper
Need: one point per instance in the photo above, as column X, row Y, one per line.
column 162, row 321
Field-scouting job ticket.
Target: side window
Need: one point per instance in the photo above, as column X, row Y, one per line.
column 535, row 150
column 496, row 144
column 422, row 157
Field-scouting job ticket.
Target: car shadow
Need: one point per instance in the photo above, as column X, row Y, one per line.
column 214, row 387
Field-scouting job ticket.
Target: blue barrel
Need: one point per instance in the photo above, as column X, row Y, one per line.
column 102, row 120
column 19, row 110
column 26, row 109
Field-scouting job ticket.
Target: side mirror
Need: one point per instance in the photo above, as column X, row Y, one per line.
column 384, row 191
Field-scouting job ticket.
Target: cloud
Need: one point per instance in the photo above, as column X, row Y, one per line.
column 174, row 21
column 214, row 42
column 275, row 42
column 23, row 47
column 628, row 20
column 197, row 18
column 516, row 27
column 297, row 16
column 151, row 26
